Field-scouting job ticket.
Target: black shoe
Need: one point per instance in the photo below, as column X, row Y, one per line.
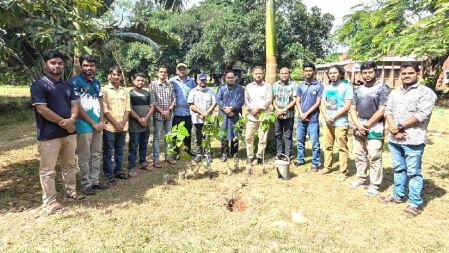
column 259, row 160
column 99, row 187
column 191, row 153
column 298, row 163
column 121, row 176
column 224, row 158
column 89, row 191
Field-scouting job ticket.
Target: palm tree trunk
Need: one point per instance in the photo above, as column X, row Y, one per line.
column 270, row 37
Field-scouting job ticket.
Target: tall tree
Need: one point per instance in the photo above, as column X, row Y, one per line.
column 270, row 37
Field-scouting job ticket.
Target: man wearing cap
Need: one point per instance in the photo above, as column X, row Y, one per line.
column 202, row 103
column 182, row 85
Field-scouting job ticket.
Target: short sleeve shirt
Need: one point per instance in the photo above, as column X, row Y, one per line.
column 89, row 92
column 203, row 98
column 115, row 102
column 308, row 94
column 283, row 95
column 334, row 97
column 57, row 95
column 140, row 103
column 368, row 99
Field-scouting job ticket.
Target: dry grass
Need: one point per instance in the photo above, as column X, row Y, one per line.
column 141, row 215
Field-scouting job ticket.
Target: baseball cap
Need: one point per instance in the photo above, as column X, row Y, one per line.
column 202, row 76
column 181, row 65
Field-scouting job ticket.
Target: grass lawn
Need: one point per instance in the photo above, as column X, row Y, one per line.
column 142, row 215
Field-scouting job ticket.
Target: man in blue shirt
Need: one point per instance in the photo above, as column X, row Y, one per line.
column 89, row 124
column 335, row 105
column 56, row 107
column 182, row 85
column 308, row 99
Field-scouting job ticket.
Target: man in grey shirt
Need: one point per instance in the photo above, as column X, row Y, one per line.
column 408, row 112
column 367, row 114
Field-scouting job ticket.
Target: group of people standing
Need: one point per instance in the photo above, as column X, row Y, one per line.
column 81, row 119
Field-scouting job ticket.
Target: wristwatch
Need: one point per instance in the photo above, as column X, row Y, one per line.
column 400, row 127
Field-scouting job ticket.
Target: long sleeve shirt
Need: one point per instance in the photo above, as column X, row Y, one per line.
column 230, row 97
column 258, row 95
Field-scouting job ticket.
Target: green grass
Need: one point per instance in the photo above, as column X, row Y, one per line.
column 142, row 215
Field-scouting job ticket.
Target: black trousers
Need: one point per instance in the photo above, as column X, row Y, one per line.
column 198, row 138
column 225, row 147
column 188, row 125
column 283, row 130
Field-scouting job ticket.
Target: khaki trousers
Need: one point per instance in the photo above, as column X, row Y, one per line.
column 88, row 149
column 251, row 128
column 49, row 152
column 340, row 135
column 368, row 151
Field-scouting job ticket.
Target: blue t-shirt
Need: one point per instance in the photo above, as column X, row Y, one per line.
column 89, row 92
column 309, row 93
column 57, row 95
column 334, row 97
column 182, row 89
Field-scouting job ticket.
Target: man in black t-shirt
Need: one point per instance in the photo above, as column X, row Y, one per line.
column 56, row 107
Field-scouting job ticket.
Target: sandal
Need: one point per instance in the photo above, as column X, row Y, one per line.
column 390, row 199
column 132, row 173
column 74, row 196
column 411, row 211
column 55, row 208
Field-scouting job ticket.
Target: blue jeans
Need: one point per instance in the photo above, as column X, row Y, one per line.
column 407, row 164
column 113, row 142
column 158, row 125
column 313, row 130
column 137, row 139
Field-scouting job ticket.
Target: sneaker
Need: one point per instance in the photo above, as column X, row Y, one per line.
column 356, row 183
column 372, row 191
column 314, row 168
column 89, row 191
column 224, row 158
column 411, row 211
column 121, row 176
column 100, row 187
column 197, row 158
column 259, row 160
column 132, row 173
column 298, row 163
column 390, row 199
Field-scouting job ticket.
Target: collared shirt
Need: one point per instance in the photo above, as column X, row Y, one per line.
column 162, row 95
column 203, row 98
column 308, row 94
column 335, row 97
column 283, row 95
column 58, row 97
column 116, row 102
column 258, row 95
column 140, row 104
column 417, row 100
column 89, row 92
column 182, row 89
